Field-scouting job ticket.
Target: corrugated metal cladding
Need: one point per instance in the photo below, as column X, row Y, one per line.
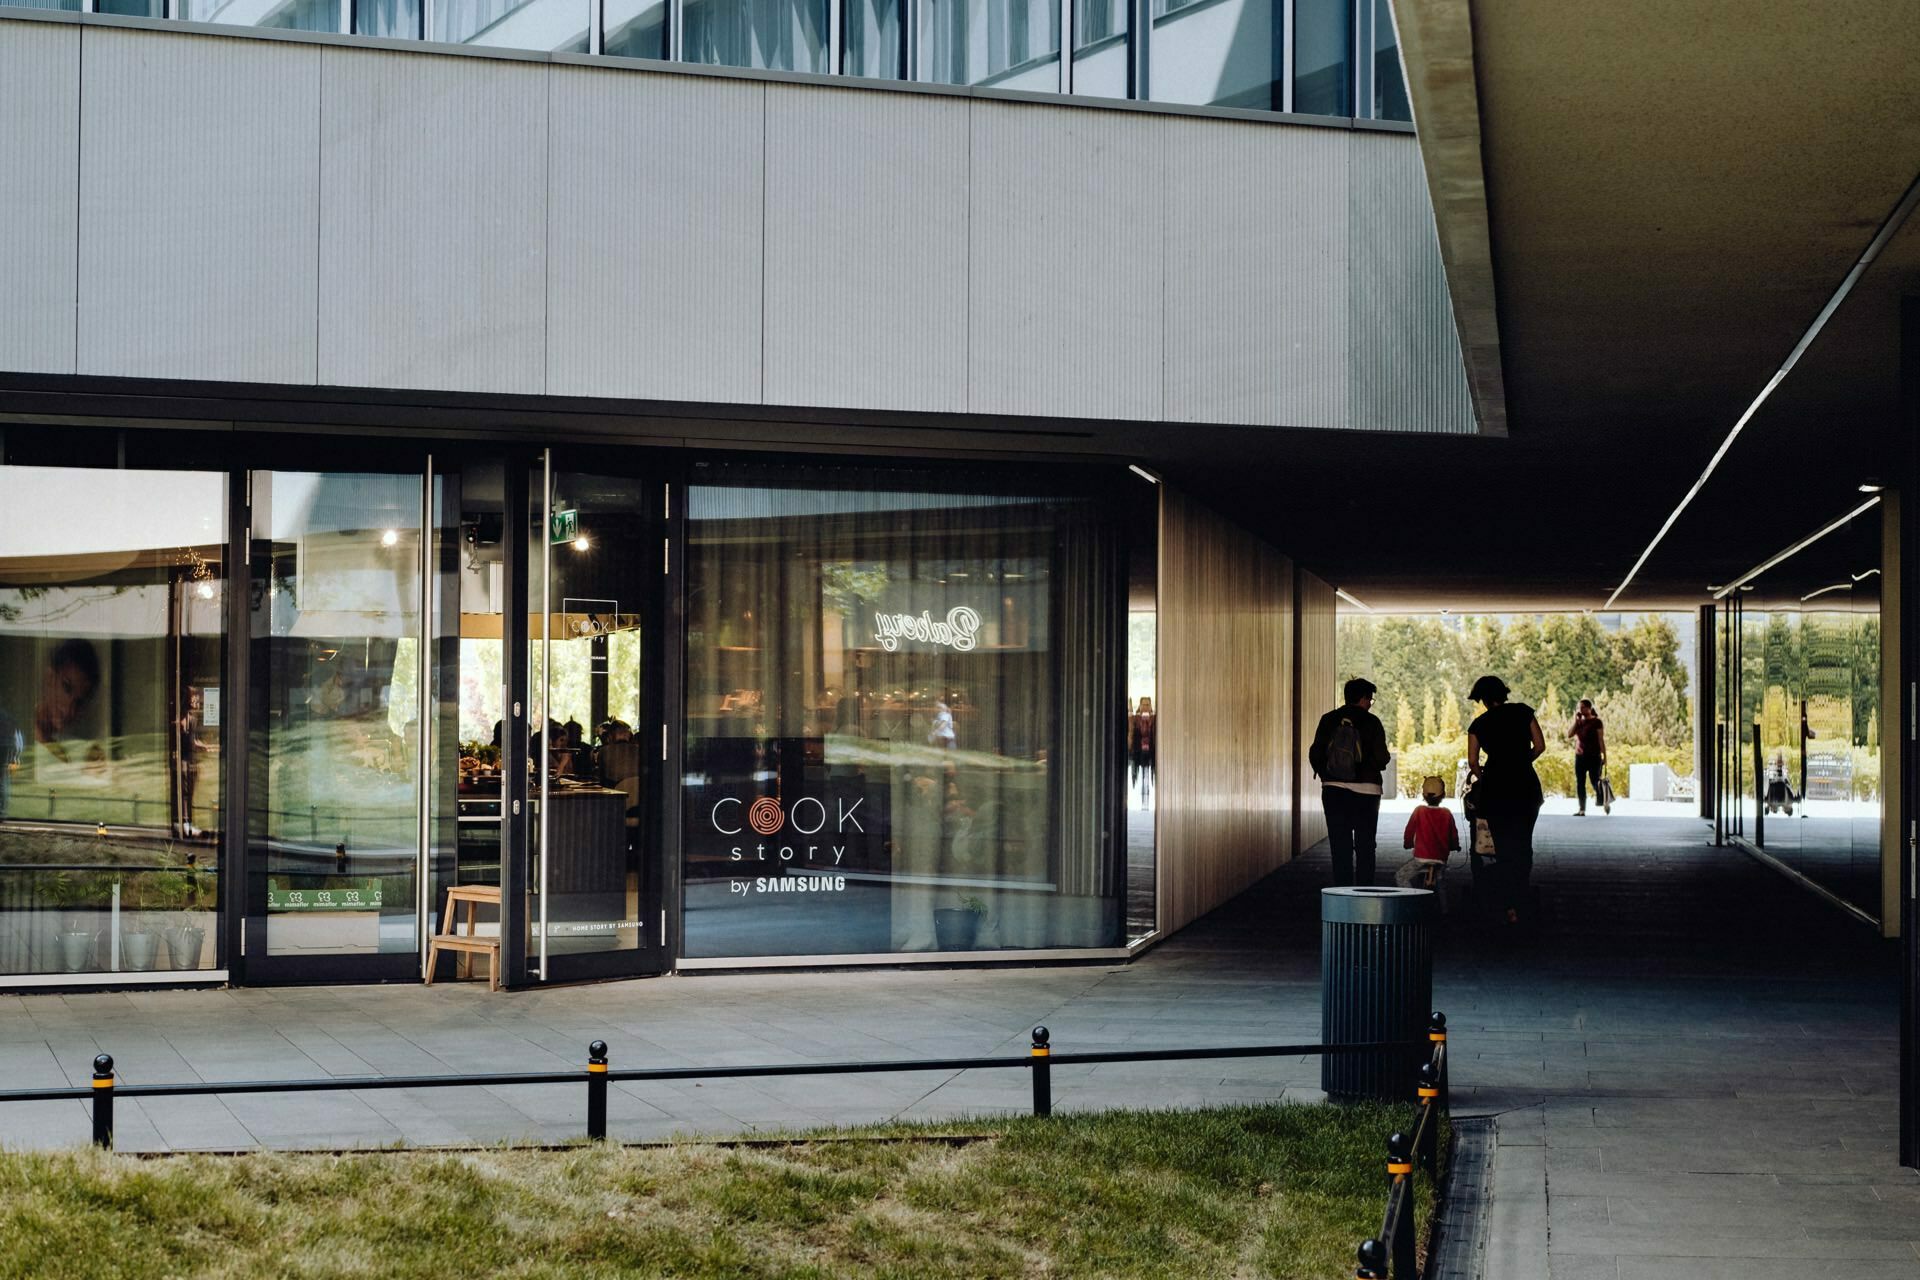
column 1068, row 234
column 866, row 249
column 198, row 222
column 433, row 221
column 259, row 210
column 39, row 186
column 1405, row 370
column 1256, row 275
column 654, row 237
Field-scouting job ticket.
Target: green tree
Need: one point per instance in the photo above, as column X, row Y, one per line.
column 1429, row 718
column 1451, row 729
column 1651, row 710
column 1405, row 735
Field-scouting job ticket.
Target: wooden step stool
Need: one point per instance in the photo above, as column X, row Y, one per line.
column 451, row 939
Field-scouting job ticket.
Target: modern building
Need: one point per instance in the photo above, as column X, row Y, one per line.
column 710, row 469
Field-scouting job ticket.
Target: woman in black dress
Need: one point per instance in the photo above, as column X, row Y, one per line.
column 1506, row 790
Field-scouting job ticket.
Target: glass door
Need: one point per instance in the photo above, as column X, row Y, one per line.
column 334, row 798
column 596, row 573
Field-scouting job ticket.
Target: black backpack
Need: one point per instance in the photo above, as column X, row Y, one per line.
column 1344, row 753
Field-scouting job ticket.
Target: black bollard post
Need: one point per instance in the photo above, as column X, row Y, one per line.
column 1400, row 1181
column 1042, row 1073
column 103, row 1102
column 1437, row 1043
column 1373, row 1261
column 597, row 1091
column 1429, row 1095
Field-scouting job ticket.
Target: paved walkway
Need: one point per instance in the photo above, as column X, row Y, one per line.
column 1693, row 1071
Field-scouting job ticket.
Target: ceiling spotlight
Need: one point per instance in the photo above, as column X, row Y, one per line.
column 582, row 542
column 391, row 538
column 1871, row 486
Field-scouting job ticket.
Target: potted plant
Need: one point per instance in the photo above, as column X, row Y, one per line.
column 139, row 931
column 958, row 928
column 72, row 893
column 185, row 939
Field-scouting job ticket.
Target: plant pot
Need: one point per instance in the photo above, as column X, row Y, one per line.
column 184, row 945
column 138, row 949
column 955, row 929
column 76, row 952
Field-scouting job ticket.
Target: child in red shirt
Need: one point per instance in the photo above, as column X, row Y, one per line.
column 1432, row 835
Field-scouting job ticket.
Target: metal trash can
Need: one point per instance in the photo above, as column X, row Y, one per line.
column 1376, row 983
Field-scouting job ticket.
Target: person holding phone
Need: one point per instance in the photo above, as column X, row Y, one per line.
column 1589, row 734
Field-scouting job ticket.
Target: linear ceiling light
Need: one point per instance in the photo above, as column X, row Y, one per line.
column 1793, row 550
column 1346, row 595
column 1874, row 247
column 1838, row 586
column 1143, row 473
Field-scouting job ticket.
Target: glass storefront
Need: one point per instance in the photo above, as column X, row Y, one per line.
column 112, row 719
column 1799, row 717
column 894, row 696
column 816, row 711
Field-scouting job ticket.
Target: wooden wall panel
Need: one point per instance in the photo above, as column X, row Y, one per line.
column 1227, row 722
column 1318, row 668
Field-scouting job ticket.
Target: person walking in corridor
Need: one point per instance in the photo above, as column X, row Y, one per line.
column 1589, row 734
column 1506, row 790
column 1349, row 756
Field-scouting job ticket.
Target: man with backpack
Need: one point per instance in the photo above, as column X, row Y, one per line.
column 1349, row 756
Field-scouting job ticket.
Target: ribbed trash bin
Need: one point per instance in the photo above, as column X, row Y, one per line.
column 1376, row 983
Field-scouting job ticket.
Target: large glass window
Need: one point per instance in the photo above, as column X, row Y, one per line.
column 288, row 15
column 1225, row 54
column 634, row 29
column 1800, row 713
column 1389, row 84
column 1322, row 48
column 876, row 39
column 773, row 35
column 1102, row 53
column 559, row 25
column 900, row 731
column 334, row 797
column 1012, row 44
column 112, row 648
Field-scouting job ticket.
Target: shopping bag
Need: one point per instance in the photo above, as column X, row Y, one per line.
column 1483, row 838
column 1603, row 791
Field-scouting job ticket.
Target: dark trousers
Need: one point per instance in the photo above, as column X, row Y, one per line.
column 1352, row 822
column 1513, row 858
column 1584, row 767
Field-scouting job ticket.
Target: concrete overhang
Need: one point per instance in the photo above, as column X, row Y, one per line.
column 1643, row 206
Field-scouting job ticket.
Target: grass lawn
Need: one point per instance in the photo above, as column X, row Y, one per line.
column 1279, row 1191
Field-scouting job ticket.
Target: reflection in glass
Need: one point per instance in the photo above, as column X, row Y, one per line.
column 392, row 19
column 1389, row 84
column 771, row 35
column 635, row 29
column 1011, row 44
column 334, row 802
column 128, row 8
column 1322, row 44
column 286, row 15
column 876, row 39
column 1102, row 54
column 558, row 25
column 885, row 752
column 1226, row 54
column 586, row 675
column 1142, row 717
column 112, row 591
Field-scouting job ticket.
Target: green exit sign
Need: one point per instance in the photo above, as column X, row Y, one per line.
column 564, row 526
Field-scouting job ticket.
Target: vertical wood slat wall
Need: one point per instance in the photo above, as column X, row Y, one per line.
column 1318, row 693
column 1226, row 764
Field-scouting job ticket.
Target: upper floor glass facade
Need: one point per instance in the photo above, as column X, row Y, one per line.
column 1314, row 57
